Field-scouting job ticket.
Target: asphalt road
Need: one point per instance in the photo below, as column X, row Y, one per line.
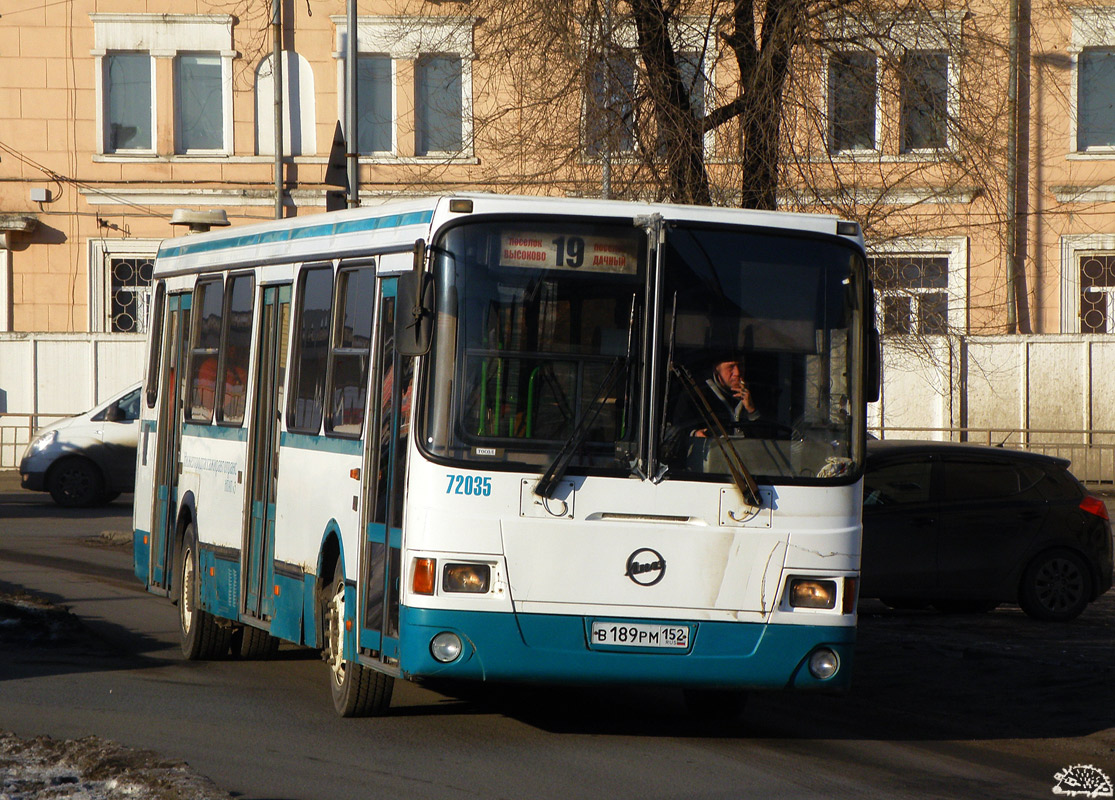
column 989, row 706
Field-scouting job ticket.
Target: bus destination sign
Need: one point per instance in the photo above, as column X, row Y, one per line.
column 569, row 252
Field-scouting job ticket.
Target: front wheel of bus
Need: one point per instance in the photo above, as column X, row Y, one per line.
column 202, row 636
column 358, row 691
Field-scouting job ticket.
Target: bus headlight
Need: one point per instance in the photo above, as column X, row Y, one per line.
column 812, row 593
column 445, row 647
column 823, row 664
column 472, row 578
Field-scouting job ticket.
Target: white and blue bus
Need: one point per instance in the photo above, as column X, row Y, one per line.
column 481, row 437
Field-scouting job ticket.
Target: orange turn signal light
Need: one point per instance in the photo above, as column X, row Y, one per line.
column 425, row 575
column 848, row 605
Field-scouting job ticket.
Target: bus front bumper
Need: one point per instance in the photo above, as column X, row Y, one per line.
column 555, row 649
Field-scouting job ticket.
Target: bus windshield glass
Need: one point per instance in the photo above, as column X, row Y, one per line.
column 759, row 329
column 537, row 343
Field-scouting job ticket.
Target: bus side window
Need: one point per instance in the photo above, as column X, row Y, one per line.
column 236, row 342
column 156, row 344
column 351, row 351
column 205, row 350
column 315, row 307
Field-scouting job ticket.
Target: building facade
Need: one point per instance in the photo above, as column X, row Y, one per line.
column 988, row 203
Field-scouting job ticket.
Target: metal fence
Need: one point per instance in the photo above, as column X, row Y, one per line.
column 1092, row 453
column 16, row 431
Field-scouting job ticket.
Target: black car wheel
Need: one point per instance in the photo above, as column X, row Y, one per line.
column 74, row 483
column 1056, row 586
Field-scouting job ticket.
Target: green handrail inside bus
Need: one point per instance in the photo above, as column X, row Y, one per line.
column 530, row 401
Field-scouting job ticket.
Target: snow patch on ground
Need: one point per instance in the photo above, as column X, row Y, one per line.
column 92, row 768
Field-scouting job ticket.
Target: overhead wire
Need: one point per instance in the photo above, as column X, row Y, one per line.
column 58, row 177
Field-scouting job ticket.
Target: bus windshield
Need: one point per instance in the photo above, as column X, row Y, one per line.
column 539, row 333
column 762, row 323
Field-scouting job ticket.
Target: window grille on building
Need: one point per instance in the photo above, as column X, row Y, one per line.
column 913, row 293
column 129, row 288
column 1097, row 293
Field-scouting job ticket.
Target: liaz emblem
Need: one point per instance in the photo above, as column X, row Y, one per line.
column 646, row 567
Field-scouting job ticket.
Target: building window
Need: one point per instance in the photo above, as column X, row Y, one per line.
column 199, row 103
column 129, row 291
column 921, row 286
column 134, row 54
column 375, row 104
column 853, row 88
column 1095, row 107
column 120, row 284
column 128, row 104
column 913, row 293
column 924, row 100
column 438, row 53
column 1097, row 293
column 610, row 106
column 438, row 105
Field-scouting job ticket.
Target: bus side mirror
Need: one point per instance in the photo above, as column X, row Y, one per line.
column 414, row 313
column 874, row 365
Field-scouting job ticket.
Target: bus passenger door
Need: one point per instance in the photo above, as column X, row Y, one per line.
column 389, row 422
column 258, row 553
column 169, row 429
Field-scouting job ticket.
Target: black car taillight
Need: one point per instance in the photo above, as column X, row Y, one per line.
column 1093, row 505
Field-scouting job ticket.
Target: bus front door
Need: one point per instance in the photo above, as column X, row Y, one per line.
column 389, row 421
column 258, row 552
column 169, row 430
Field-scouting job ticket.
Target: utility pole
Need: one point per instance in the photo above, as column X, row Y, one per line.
column 1012, row 175
column 351, row 134
column 277, row 83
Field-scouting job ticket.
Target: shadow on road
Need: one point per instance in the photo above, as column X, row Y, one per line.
column 21, row 504
column 918, row 676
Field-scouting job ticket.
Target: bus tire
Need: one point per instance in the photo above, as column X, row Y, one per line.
column 202, row 636
column 358, row 691
column 253, row 644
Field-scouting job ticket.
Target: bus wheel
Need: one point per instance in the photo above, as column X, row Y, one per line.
column 715, row 705
column 253, row 644
column 202, row 637
column 358, row 691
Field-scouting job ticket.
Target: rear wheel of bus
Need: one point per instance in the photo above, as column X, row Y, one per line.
column 357, row 690
column 202, row 636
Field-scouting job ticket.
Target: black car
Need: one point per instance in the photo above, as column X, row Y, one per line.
column 967, row 527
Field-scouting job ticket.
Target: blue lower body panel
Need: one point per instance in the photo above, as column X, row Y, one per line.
column 555, row 649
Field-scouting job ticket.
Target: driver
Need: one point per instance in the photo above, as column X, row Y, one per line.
column 729, row 397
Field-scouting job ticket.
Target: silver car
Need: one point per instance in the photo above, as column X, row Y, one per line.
column 89, row 459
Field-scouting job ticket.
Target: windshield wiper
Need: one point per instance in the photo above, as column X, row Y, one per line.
column 552, row 476
column 748, row 489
